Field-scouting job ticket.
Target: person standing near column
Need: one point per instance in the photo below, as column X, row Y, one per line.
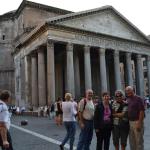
column 136, row 119
column 86, row 114
column 103, row 122
column 69, row 120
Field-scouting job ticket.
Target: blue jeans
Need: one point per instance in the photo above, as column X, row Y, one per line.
column 71, row 130
column 85, row 136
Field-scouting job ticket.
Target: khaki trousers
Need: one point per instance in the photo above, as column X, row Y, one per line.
column 136, row 137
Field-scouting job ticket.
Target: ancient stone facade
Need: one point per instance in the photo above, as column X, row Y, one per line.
column 13, row 26
column 56, row 51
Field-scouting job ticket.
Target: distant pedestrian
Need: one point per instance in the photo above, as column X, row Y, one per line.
column 52, row 111
column 86, row 114
column 22, row 110
column 58, row 109
column 136, row 119
column 69, row 120
column 103, row 122
column 48, row 111
column 17, row 110
column 5, row 119
column 120, row 120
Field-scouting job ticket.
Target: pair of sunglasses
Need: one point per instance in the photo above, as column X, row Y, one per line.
column 118, row 96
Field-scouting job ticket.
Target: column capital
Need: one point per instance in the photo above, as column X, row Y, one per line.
column 87, row 48
column 138, row 56
column 50, row 43
column 116, row 53
column 69, row 47
column 34, row 54
column 27, row 57
column 102, row 51
column 40, row 49
column 128, row 54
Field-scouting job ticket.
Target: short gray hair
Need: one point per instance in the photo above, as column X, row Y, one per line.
column 129, row 88
column 120, row 92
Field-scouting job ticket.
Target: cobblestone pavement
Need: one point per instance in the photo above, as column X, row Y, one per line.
column 47, row 129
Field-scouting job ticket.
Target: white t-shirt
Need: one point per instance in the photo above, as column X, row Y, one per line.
column 88, row 112
column 69, row 111
column 4, row 114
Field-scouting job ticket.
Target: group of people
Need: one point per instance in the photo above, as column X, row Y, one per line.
column 121, row 118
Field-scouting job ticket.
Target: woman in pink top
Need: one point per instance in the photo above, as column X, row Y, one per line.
column 103, row 122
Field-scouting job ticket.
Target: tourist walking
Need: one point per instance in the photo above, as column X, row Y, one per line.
column 136, row 119
column 5, row 120
column 86, row 114
column 69, row 120
column 103, row 122
column 120, row 120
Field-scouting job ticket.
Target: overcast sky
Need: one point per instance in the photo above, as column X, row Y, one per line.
column 137, row 11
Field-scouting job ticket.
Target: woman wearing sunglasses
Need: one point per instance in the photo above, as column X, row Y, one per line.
column 120, row 121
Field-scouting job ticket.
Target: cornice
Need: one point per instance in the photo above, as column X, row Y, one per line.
column 83, row 31
column 43, row 27
column 77, row 14
column 7, row 16
column 15, row 14
column 28, row 39
column 39, row 6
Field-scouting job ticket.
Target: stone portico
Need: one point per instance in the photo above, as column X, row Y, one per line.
column 79, row 51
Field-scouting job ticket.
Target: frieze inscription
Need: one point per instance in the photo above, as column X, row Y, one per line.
column 110, row 43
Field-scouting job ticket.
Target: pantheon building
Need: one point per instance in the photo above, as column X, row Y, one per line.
column 56, row 51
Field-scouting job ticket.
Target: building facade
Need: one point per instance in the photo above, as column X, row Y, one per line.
column 13, row 26
column 96, row 49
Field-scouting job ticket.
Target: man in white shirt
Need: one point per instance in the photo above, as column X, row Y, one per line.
column 5, row 121
column 86, row 115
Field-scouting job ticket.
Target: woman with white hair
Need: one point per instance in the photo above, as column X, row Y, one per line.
column 120, row 121
column 69, row 120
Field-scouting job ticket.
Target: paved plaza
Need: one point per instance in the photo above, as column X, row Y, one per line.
column 43, row 134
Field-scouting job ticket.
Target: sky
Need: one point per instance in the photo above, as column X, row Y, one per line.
column 136, row 11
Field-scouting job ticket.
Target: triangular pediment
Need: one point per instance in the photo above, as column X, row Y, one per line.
column 105, row 20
